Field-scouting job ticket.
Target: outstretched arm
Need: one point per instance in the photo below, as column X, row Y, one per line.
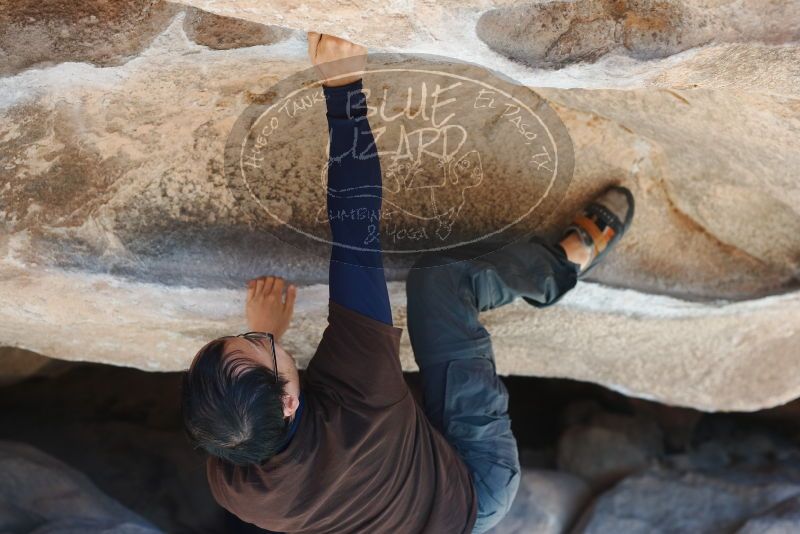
column 356, row 276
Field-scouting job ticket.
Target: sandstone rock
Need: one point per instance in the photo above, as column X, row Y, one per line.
column 223, row 33
column 610, row 39
column 120, row 234
column 40, row 494
column 556, row 33
column 127, row 202
column 105, row 33
column 547, row 503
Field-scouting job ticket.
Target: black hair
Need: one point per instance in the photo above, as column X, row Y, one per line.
column 232, row 406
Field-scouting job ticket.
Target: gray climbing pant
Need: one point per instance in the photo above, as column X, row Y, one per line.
column 463, row 396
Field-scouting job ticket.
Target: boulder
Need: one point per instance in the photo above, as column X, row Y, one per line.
column 547, row 502
column 783, row 518
column 607, row 447
column 583, row 43
column 674, row 502
column 121, row 428
column 41, row 494
column 121, row 237
column 556, row 33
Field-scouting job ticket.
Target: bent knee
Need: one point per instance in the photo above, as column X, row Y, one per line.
column 496, row 497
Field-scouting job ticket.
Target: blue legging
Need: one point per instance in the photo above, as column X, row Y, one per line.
column 356, row 276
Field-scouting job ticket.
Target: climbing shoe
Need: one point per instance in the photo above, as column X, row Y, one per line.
column 602, row 223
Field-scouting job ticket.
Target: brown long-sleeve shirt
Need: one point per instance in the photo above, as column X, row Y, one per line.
column 364, row 459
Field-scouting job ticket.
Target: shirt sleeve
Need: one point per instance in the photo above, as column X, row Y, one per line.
column 358, row 360
column 354, row 198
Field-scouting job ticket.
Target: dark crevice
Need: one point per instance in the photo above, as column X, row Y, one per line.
column 122, row 428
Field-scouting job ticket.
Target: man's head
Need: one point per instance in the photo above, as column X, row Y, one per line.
column 232, row 405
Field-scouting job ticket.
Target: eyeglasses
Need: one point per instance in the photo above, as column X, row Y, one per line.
column 252, row 336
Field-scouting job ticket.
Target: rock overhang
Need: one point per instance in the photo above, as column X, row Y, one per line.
column 110, row 190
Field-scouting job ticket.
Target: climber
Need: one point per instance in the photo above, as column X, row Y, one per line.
column 348, row 449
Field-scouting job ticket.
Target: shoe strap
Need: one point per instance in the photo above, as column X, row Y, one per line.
column 585, row 238
column 599, row 238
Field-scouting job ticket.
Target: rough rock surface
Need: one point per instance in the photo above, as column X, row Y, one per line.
column 783, row 518
column 121, row 239
column 606, row 447
column 556, row 33
column 41, row 494
column 673, row 501
column 121, row 427
column 605, row 43
column 41, row 34
column 736, row 477
column 547, row 502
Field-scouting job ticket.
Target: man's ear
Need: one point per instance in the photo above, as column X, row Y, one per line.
column 290, row 405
